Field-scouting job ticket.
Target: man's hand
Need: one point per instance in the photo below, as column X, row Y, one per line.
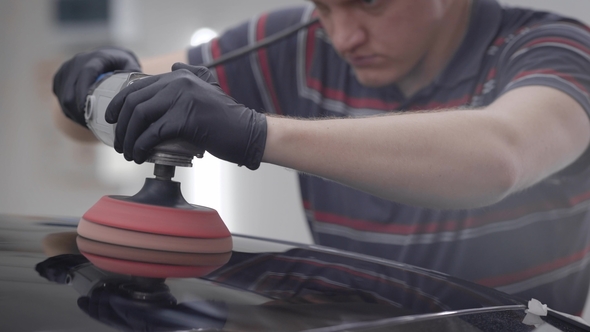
column 74, row 78
column 188, row 104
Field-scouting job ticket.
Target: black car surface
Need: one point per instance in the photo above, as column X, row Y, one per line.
column 46, row 284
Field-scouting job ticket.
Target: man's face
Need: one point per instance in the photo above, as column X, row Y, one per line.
column 383, row 40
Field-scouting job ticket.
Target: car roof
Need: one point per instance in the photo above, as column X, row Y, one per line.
column 261, row 283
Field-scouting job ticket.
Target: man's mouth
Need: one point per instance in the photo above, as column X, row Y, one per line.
column 360, row 61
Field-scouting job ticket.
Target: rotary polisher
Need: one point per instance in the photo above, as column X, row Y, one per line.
column 157, row 218
column 156, row 233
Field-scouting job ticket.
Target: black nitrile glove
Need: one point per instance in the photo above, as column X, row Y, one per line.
column 187, row 104
column 74, row 78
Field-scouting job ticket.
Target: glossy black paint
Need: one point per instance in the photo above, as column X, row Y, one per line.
column 46, row 285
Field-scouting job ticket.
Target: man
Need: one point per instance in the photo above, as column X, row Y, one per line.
column 480, row 173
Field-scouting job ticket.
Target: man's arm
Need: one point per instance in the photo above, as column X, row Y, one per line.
column 447, row 159
column 153, row 65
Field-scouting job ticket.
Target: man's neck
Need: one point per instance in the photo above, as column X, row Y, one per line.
column 444, row 46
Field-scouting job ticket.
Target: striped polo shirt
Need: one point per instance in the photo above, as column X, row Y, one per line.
column 535, row 243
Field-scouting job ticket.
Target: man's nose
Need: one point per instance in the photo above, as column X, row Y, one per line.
column 347, row 33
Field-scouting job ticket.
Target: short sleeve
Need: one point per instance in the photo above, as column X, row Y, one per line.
column 556, row 55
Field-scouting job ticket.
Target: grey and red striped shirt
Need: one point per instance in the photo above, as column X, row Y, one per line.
column 535, row 243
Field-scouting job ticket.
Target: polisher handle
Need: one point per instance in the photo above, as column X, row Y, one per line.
column 99, row 97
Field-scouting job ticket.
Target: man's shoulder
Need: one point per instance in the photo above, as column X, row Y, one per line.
column 522, row 29
column 517, row 20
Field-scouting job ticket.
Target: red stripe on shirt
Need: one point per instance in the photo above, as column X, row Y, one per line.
column 443, row 225
column 478, row 89
column 534, row 271
column 580, row 198
column 265, row 65
column 558, row 40
column 338, row 95
column 499, row 41
column 368, row 226
column 491, row 74
column 221, row 75
column 553, row 72
column 445, row 104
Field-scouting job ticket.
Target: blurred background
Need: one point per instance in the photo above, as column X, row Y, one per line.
column 44, row 172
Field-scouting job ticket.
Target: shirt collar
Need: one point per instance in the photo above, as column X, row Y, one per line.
column 486, row 16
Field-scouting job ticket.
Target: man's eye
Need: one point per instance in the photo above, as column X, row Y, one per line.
column 371, row 4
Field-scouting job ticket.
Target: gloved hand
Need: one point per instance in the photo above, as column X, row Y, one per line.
column 74, row 78
column 188, row 104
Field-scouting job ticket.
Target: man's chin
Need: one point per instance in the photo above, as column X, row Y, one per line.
column 373, row 79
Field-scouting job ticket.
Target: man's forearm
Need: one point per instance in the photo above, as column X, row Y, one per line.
column 400, row 158
column 450, row 159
